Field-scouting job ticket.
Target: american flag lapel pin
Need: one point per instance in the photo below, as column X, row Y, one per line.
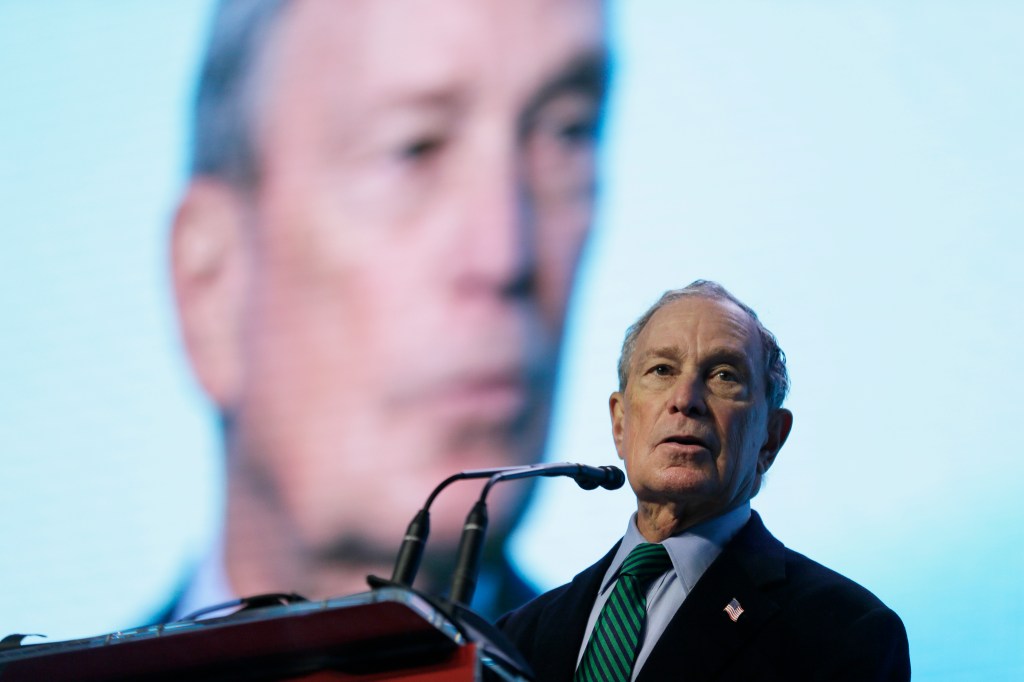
column 733, row 610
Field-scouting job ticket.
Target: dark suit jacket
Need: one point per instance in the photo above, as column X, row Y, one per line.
column 800, row 621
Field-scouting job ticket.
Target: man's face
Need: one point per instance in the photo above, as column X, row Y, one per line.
column 693, row 425
column 426, row 182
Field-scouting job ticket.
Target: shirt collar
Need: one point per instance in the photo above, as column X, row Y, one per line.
column 692, row 551
column 208, row 586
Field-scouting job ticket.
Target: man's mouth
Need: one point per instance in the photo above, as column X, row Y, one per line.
column 687, row 441
column 484, row 395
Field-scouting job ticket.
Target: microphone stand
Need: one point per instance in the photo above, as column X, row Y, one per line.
column 467, row 566
column 411, row 551
column 473, row 627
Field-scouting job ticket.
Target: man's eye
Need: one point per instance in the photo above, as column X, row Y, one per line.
column 726, row 375
column 571, row 119
column 661, row 370
column 421, row 148
column 579, row 131
column 575, row 132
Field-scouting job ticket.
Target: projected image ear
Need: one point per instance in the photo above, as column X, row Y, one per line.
column 208, row 268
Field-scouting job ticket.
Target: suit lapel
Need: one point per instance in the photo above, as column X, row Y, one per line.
column 564, row 621
column 701, row 636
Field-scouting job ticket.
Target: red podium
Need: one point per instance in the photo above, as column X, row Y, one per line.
column 386, row 634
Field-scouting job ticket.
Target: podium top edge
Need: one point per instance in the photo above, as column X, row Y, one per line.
column 393, row 595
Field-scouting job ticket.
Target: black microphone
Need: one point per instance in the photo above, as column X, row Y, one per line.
column 586, row 476
column 471, row 544
column 411, row 551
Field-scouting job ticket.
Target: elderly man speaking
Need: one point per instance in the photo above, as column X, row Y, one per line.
column 698, row 589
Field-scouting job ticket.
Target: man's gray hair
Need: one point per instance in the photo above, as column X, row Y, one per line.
column 223, row 144
column 776, row 376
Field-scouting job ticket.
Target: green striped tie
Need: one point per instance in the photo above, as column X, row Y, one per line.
column 612, row 648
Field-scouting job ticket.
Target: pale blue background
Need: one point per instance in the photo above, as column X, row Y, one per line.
column 851, row 169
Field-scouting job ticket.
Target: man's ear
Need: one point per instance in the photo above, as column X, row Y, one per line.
column 208, row 267
column 780, row 422
column 615, row 409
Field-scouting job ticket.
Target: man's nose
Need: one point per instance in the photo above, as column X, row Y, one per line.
column 494, row 240
column 688, row 396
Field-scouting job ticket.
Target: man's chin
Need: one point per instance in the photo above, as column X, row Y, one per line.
column 359, row 549
column 360, row 542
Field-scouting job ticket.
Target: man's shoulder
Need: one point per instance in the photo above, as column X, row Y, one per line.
column 524, row 617
column 820, row 619
column 559, row 614
column 580, row 587
column 548, row 630
column 818, row 602
column 797, row 582
column 812, row 581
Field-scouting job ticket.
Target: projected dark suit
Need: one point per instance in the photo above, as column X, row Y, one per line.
column 800, row 621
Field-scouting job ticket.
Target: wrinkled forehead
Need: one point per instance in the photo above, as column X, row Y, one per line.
column 695, row 324
column 387, row 47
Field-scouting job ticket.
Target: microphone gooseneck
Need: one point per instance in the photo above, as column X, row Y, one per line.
column 411, row 551
column 467, row 567
column 586, row 476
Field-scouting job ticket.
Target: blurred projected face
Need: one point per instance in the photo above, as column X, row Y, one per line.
column 426, row 183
